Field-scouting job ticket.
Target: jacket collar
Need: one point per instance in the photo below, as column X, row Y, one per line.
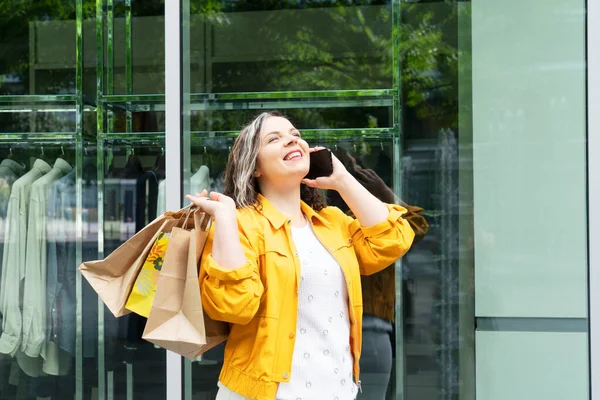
column 14, row 166
column 42, row 166
column 63, row 166
column 277, row 219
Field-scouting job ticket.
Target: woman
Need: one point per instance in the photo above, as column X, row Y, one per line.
column 284, row 270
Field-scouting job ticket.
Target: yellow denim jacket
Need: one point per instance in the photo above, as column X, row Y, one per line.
column 260, row 299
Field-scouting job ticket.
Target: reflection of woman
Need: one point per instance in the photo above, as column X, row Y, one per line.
column 379, row 290
column 284, row 269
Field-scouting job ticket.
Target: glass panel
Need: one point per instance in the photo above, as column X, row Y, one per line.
column 48, row 119
column 137, row 40
column 39, row 50
column 134, row 172
column 328, row 67
column 140, row 122
column 495, row 287
column 38, row 246
column 246, row 46
column 131, row 169
column 305, row 118
column 42, row 350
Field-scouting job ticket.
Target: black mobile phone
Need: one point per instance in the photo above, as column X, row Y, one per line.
column 321, row 164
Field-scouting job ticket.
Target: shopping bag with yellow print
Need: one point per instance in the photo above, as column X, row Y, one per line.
column 144, row 289
column 113, row 278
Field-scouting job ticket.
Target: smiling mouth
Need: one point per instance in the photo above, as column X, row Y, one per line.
column 295, row 155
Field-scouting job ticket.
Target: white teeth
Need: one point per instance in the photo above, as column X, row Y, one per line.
column 293, row 155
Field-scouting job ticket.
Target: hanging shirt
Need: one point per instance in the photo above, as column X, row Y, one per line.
column 161, row 201
column 34, row 291
column 13, row 259
column 61, row 275
column 10, row 171
column 200, row 180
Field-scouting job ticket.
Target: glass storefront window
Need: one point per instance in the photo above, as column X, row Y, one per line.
column 472, row 112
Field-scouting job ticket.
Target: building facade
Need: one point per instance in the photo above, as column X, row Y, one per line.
column 482, row 113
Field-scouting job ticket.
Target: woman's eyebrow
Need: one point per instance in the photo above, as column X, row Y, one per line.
column 278, row 132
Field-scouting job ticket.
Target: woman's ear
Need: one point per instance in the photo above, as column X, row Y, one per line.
column 256, row 174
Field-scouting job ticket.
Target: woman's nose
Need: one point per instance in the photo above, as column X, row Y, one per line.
column 292, row 140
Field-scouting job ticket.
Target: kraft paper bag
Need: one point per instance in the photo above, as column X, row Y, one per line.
column 177, row 321
column 142, row 293
column 113, row 277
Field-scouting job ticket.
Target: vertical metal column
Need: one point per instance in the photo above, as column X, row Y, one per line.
column 79, row 199
column 128, row 129
column 186, row 163
column 100, row 157
column 110, row 62
column 128, row 64
column 593, row 136
column 173, row 137
column 397, row 183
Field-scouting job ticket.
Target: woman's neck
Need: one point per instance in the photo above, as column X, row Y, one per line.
column 286, row 202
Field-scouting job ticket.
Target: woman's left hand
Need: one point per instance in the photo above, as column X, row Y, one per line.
column 332, row 182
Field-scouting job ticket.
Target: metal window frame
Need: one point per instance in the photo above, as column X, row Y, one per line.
column 173, row 149
column 593, row 154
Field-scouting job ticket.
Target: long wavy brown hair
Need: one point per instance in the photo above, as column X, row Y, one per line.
column 240, row 183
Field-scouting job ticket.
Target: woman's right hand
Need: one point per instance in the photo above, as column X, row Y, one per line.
column 227, row 251
column 216, row 204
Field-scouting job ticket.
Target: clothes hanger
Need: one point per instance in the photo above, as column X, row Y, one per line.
column 43, row 155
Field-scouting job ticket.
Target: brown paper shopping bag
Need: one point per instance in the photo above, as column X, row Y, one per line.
column 177, row 321
column 113, row 277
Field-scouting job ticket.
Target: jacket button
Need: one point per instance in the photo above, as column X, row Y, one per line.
column 286, row 375
column 349, row 240
column 292, row 335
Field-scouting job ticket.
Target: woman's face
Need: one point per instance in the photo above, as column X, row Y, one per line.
column 283, row 157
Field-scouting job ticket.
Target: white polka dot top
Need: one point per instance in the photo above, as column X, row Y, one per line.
column 322, row 361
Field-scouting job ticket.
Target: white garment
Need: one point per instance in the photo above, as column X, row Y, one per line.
column 13, row 261
column 161, row 201
column 198, row 182
column 34, row 284
column 322, row 361
column 34, row 343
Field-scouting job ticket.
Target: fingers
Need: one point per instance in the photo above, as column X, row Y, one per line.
column 372, row 173
column 215, row 196
column 361, row 175
column 310, row 182
column 313, row 149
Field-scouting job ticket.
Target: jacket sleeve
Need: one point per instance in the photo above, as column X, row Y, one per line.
column 380, row 245
column 231, row 295
column 13, row 267
column 34, row 286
